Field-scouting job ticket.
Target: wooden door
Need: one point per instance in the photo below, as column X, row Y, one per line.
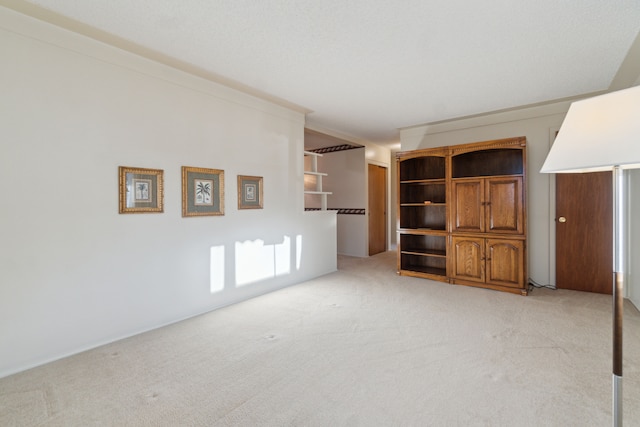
column 505, row 262
column 377, row 209
column 584, row 232
column 503, row 202
column 468, row 258
column 468, row 209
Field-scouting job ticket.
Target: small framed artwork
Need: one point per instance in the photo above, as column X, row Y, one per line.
column 202, row 191
column 249, row 192
column 140, row 190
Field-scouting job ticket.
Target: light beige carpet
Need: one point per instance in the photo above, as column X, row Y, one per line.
column 359, row 347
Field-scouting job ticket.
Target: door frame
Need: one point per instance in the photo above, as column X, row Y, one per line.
column 553, row 131
column 552, row 215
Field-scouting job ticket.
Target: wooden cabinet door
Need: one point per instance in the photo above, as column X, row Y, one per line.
column 467, row 205
column 503, row 202
column 505, row 262
column 468, row 258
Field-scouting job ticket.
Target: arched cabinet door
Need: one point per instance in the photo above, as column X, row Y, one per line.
column 497, row 262
column 468, row 258
column 505, row 262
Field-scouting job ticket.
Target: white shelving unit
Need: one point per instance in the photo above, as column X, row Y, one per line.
column 314, row 172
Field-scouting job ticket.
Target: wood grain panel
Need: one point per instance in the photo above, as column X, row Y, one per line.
column 504, row 205
column 505, row 259
column 468, row 258
column 377, row 209
column 468, row 211
column 584, row 243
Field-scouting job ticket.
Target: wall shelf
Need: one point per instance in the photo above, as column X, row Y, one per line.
column 318, row 177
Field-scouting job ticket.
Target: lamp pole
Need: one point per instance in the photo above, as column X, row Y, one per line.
column 618, row 290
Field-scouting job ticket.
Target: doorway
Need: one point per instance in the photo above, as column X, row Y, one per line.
column 584, row 232
column 377, row 209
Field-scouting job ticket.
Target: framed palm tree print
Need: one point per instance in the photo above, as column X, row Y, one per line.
column 140, row 190
column 249, row 192
column 202, row 191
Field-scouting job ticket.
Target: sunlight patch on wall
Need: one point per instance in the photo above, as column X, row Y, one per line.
column 298, row 251
column 283, row 256
column 256, row 261
column 216, row 269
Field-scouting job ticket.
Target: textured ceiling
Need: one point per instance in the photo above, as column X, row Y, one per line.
column 365, row 68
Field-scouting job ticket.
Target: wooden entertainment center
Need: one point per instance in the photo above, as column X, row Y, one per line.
column 462, row 215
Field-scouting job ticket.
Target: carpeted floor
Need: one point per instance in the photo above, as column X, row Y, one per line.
column 359, row 347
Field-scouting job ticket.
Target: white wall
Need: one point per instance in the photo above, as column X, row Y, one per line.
column 347, row 181
column 345, row 178
column 73, row 272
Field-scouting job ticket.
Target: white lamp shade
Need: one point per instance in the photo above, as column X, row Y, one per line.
column 597, row 134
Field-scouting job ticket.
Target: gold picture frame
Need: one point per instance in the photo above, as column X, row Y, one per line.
column 249, row 192
column 140, row 190
column 202, row 191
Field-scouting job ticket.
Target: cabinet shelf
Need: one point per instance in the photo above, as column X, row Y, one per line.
column 463, row 178
column 424, row 181
column 423, row 231
column 416, row 193
column 443, row 228
column 425, row 252
column 426, row 270
column 419, row 215
column 488, row 162
column 422, row 168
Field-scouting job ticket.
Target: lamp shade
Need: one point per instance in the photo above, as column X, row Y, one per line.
column 597, row 134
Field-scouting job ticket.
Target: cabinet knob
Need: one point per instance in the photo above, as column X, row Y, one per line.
column 562, row 219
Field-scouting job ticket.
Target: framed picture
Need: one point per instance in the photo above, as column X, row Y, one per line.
column 140, row 190
column 249, row 192
column 202, row 191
